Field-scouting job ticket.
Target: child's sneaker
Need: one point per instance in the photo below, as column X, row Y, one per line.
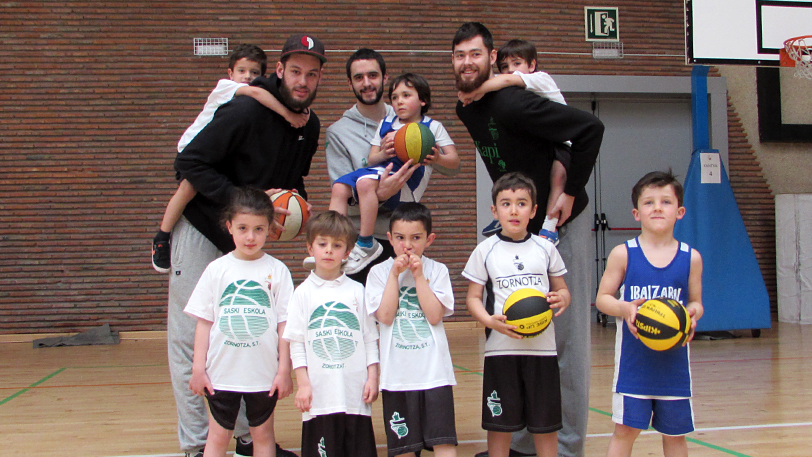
column 244, row 448
column 360, row 257
column 161, row 256
column 550, row 236
column 309, row 263
column 492, row 228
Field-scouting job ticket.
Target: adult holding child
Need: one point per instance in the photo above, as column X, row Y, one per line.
column 516, row 130
column 348, row 142
column 245, row 144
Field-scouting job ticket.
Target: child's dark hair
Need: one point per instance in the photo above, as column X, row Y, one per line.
column 249, row 52
column 418, row 83
column 516, row 48
column 248, row 200
column 366, row 54
column 658, row 179
column 514, row 181
column 471, row 30
column 411, row 212
column 331, row 223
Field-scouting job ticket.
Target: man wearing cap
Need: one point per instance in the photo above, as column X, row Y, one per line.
column 245, row 144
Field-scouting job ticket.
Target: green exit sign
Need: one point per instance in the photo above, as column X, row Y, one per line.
column 601, row 23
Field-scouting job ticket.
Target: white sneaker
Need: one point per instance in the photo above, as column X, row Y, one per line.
column 309, row 263
column 361, row 257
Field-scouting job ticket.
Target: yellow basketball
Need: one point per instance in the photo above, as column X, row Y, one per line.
column 662, row 323
column 529, row 311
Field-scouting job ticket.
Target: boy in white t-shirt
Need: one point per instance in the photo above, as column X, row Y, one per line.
column 410, row 95
column 517, row 61
column 521, row 387
column 240, row 303
column 246, row 62
column 334, row 347
column 409, row 295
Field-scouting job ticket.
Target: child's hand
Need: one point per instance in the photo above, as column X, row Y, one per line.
column 388, row 145
column 692, row 313
column 429, row 160
column 416, row 265
column 630, row 314
column 303, row 398
column 469, row 97
column 282, row 384
column 559, row 300
column 401, row 264
column 297, row 120
column 371, row 390
column 200, row 383
column 498, row 323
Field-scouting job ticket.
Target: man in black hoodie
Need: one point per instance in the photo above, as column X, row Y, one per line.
column 245, row 144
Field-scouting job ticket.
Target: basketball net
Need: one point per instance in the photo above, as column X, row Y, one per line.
column 796, row 53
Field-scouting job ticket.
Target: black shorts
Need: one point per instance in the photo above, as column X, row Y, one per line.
column 338, row 435
column 224, row 406
column 521, row 391
column 418, row 419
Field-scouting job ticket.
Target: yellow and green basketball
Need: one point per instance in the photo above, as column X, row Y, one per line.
column 529, row 311
column 662, row 323
column 413, row 141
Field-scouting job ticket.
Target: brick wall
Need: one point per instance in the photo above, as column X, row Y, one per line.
column 96, row 94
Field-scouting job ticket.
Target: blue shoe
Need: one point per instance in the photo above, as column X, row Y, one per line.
column 491, row 229
column 550, row 236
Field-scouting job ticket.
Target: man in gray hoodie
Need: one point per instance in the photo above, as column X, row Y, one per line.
column 347, row 141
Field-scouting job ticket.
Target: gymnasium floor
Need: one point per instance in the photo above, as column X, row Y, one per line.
column 751, row 397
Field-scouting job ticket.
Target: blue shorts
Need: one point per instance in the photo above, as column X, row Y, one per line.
column 669, row 417
column 351, row 179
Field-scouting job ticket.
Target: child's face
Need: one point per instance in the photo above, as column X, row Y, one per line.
column 511, row 64
column 406, row 103
column 409, row 237
column 658, row 209
column 249, row 232
column 514, row 209
column 328, row 252
column 244, row 71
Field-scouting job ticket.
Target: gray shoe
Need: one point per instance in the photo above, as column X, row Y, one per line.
column 361, row 257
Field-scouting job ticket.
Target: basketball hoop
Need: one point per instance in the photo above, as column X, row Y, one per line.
column 797, row 54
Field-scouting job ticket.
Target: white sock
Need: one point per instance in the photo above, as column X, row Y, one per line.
column 550, row 224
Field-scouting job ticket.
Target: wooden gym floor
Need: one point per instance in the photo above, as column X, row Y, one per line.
column 752, row 397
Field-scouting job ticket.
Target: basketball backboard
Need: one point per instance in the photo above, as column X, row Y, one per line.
column 743, row 32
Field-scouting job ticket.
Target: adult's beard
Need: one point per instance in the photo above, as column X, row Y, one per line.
column 378, row 96
column 297, row 106
column 470, row 86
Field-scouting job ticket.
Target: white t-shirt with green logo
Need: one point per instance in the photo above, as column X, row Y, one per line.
column 340, row 340
column 245, row 299
column 414, row 353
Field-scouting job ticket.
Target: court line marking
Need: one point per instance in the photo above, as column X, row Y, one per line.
column 24, row 390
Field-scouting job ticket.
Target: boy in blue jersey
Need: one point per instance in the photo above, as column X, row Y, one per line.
column 651, row 387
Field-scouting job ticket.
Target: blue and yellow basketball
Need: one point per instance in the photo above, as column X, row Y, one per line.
column 413, row 141
column 529, row 311
column 662, row 323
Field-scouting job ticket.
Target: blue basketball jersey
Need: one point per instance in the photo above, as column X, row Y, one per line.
column 638, row 369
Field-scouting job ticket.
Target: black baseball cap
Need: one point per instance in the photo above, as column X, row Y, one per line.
column 305, row 44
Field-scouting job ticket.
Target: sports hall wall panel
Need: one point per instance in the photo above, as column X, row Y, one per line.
column 96, row 94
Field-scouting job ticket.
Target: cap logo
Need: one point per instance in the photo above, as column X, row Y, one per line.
column 307, row 41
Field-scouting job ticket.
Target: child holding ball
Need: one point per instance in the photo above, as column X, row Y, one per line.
column 240, row 304
column 334, row 346
column 652, row 387
column 411, row 98
column 521, row 385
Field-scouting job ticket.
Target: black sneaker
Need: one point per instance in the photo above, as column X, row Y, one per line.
column 161, row 256
column 284, row 452
column 244, row 449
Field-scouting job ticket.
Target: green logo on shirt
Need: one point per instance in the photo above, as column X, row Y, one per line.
column 410, row 326
column 244, row 311
column 335, row 325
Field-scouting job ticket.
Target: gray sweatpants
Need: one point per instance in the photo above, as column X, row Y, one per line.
column 572, row 339
column 191, row 254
